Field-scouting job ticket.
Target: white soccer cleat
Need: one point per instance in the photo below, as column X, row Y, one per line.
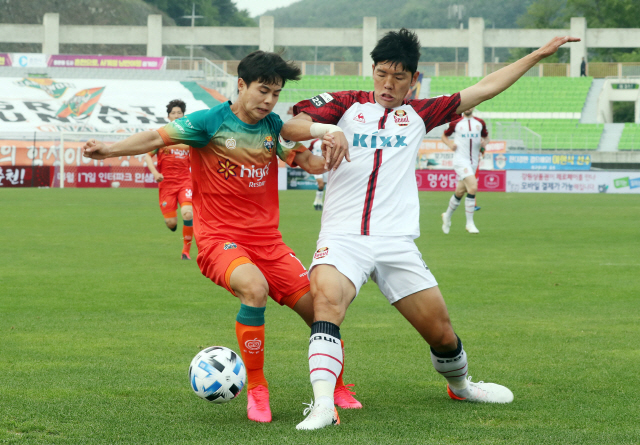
column 446, row 223
column 471, row 228
column 482, row 392
column 319, row 417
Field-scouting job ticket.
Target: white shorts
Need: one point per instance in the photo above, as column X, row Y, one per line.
column 323, row 176
column 394, row 263
column 464, row 170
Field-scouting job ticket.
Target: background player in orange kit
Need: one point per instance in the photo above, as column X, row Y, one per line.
column 174, row 178
column 235, row 196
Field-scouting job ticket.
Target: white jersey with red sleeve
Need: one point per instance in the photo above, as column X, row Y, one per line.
column 376, row 193
column 467, row 135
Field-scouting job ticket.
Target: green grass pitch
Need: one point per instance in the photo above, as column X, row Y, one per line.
column 99, row 319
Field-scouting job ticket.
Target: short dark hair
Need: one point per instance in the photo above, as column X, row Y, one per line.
column 176, row 103
column 267, row 67
column 401, row 47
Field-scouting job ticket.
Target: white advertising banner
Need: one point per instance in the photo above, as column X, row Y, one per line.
column 92, row 105
column 30, row 60
column 573, row 182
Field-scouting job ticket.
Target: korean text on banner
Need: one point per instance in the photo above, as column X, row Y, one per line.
column 578, row 182
column 508, row 161
column 91, row 61
column 445, row 180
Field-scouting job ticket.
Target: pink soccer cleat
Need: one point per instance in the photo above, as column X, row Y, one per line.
column 258, row 408
column 343, row 397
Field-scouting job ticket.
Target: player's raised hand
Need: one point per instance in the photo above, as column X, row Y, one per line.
column 335, row 148
column 553, row 45
column 95, row 150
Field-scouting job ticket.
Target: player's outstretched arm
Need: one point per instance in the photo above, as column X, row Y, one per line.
column 310, row 163
column 496, row 83
column 302, row 128
column 152, row 168
column 137, row 144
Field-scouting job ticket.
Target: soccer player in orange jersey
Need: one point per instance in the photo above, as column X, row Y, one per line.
column 173, row 176
column 234, row 170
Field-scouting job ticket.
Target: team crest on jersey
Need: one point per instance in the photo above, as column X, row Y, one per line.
column 230, row 245
column 321, row 253
column 230, row 143
column 227, row 169
column 401, row 118
column 269, row 143
column 360, row 118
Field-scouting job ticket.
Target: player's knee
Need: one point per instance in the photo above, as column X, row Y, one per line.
column 253, row 293
column 171, row 223
column 472, row 190
column 187, row 216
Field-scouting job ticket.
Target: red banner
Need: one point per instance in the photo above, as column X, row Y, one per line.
column 82, row 177
column 26, row 176
column 445, row 181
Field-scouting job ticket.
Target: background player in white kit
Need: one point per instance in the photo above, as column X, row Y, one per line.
column 321, row 180
column 470, row 135
column 371, row 213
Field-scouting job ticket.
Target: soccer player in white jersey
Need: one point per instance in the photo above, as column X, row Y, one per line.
column 321, row 180
column 371, row 213
column 470, row 136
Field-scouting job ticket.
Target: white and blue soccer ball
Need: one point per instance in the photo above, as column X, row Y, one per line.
column 217, row 374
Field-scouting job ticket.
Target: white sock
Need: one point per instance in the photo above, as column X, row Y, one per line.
column 319, row 196
column 454, row 202
column 470, row 208
column 325, row 360
column 452, row 366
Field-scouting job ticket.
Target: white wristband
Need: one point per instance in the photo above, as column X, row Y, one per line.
column 319, row 130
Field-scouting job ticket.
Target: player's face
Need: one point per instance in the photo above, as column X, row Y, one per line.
column 391, row 83
column 257, row 100
column 176, row 113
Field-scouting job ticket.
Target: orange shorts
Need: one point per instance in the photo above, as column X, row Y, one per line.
column 287, row 277
column 170, row 197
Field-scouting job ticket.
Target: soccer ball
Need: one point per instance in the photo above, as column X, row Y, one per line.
column 217, row 374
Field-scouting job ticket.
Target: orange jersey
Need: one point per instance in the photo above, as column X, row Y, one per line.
column 234, row 169
column 174, row 164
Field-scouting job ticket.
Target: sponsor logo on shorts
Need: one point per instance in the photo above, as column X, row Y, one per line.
column 401, row 118
column 321, row 253
column 253, row 345
column 164, row 203
column 269, row 143
column 303, row 274
column 230, row 143
column 360, row 118
column 230, row 245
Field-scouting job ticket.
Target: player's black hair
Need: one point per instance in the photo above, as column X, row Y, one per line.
column 268, row 68
column 401, row 47
column 176, row 103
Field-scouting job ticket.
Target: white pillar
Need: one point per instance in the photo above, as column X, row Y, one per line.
column 476, row 46
column 369, row 40
column 51, row 43
column 154, row 35
column 267, row 33
column 578, row 49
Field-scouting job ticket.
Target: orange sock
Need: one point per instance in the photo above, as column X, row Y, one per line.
column 340, row 382
column 187, row 236
column 251, row 341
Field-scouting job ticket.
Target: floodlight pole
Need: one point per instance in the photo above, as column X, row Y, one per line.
column 193, row 18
